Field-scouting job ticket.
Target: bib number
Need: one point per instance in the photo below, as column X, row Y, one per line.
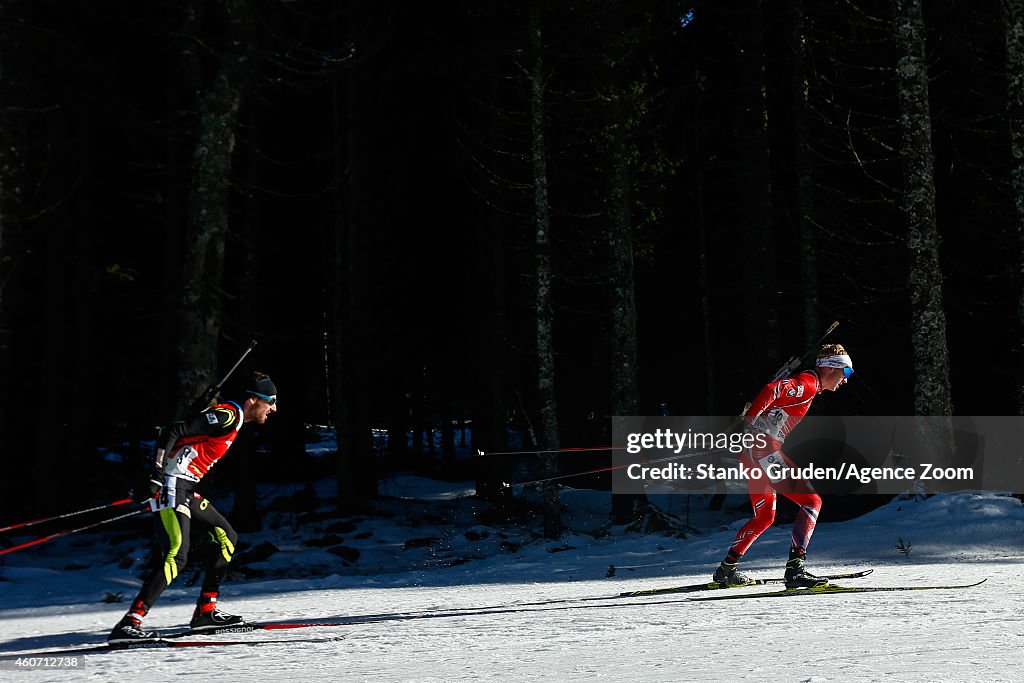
column 772, row 465
column 167, row 496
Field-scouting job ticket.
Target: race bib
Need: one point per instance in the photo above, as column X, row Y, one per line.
column 167, row 497
column 159, row 503
column 772, row 465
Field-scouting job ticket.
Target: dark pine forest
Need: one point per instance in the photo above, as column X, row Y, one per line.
column 529, row 215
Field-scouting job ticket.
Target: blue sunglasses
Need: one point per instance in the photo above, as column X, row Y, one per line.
column 846, row 373
column 272, row 400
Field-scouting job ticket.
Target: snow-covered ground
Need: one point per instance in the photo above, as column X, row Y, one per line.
column 451, row 604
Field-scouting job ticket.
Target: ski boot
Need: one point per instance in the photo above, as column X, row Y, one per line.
column 207, row 616
column 727, row 576
column 129, row 629
column 797, row 575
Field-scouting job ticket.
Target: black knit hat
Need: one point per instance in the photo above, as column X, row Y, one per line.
column 261, row 385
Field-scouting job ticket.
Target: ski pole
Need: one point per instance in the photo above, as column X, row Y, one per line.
column 784, row 371
column 68, row 532
column 613, row 468
column 123, row 501
column 211, row 391
column 481, row 453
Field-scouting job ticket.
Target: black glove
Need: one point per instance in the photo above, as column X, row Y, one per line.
column 149, row 488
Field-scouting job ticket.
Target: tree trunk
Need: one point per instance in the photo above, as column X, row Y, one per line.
column 489, row 422
column 8, row 208
column 625, row 400
column 804, row 184
column 928, row 319
column 356, row 482
column 82, row 298
column 932, row 395
column 7, row 165
column 53, row 289
column 201, row 307
column 761, row 309
column 1014, row 29
column 185, row 73
column 624, row 376
column 245, row 515
column 703, row 267
column 700, row 219
column 49, row 436
column 549, row 432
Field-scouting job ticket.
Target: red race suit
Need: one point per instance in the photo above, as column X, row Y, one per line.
column 775, row 412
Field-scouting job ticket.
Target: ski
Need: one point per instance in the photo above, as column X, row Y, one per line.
column 174, row 639
column 247, row 628
column 166, row 642
column 693, row 588
column 833, row 590
column 556, row 603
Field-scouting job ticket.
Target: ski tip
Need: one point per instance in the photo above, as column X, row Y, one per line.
column 856, row 575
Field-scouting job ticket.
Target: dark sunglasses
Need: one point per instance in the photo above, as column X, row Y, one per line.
column 272, row 400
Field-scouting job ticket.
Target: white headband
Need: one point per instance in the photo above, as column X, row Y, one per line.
column 839, row 361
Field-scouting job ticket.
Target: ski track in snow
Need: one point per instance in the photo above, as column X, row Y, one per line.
column 430, row 632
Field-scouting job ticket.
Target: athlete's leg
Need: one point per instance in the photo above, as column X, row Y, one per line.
column 809, row 503
column 806, row 519
column 762, row 498
column 224, row 539
column 172, row 533
column 207, row 615
column 172, row 524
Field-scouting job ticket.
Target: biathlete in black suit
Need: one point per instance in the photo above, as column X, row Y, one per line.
column 189, row 450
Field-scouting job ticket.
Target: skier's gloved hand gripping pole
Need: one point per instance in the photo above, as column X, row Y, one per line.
column 150, row 492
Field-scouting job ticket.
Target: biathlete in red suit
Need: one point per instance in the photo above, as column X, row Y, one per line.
column 188, row 452
column 774, row 413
